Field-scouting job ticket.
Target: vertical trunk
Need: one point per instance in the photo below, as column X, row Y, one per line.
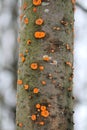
column 44, row 92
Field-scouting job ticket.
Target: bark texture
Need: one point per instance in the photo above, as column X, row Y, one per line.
column 56, row 69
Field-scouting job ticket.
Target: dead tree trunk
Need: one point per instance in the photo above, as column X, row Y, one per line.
column 45, row 71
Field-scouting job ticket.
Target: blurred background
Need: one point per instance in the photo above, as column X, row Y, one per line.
column 8, row 64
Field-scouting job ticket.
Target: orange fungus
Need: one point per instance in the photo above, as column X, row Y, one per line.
column 35, row 90
column 23, row 59
column 46, row 58
column 39, row 21
column 45, row 113
column 43, row 108
column 34, row 9
column 41, row 67
column 34, row 66
column 20, row 124
column 19, row 82
column 43, row 82
column 26, row 21
column 36, row 2
column 26, row 87
column 37, row 106
column 41, row 123
column 33, row 117
column 39, row 35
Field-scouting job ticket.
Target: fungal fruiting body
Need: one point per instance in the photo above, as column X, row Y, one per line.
column 26, row 21
column 19, row 82
column 33, row 117
column 37, row 2
column 39, row 21
column 39, row 35
column 34, row 66
column 35, row 90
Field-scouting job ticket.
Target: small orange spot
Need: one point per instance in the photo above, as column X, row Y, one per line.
column 41, row 123
column 26, row 21
column 23, row 59
column 26, row 51
column 41, row 67
column 28, row 42
column 39, row 21
column 43, row 82
column 19, row 82
column 37, row 105
column 33, row 117
column 36, row 2
column 34, row 9
column 35, row 90
column 46, row 58
column 45, row 113
column 26, row 87
column 39, row 35
column 43, row 108
column 34, row 66
column 20, row 124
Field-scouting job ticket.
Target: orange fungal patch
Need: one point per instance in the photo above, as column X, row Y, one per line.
column 39, row 21
column 19, row 82
column 26, row 87
column 38, row 106
column 41, row 123
column 26, row 21
column 23, row 59
column 34, row 9
column 37, row 2
column 46, row 58
column 34, row 66
column 45, row 113
column 43, row 108
column 33, row 117
column 39, row 35
column 43, row 82
column 35, row 90
column 20, row 124
column 41, row 67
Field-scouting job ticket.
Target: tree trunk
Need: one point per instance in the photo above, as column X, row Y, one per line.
column 45, row 71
